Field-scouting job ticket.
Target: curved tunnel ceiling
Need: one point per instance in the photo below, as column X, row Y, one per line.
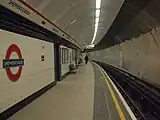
column 135, row 18
column 77, row 17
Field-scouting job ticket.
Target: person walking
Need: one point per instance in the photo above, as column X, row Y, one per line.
column 86, row 59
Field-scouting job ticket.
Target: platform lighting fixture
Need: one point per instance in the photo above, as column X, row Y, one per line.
column 97, row 14
column 96, row 21
column 98, row 4
column 73, row 21
column 96, row 25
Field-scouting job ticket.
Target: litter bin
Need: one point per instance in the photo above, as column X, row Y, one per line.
column 72, row 68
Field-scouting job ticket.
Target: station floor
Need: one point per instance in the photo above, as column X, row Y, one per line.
column 86, row 95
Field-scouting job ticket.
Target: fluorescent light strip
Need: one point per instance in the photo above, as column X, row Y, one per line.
column 96, row 25
column 97, row 14
column 96, row 21
column 94, row 36
column 73, row 21
column 95, row 32
column 98, row 4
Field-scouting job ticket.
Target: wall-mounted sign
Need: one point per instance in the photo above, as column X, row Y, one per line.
column 19, row 7
column 9, row 63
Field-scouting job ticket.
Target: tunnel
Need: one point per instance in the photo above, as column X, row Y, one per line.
column 79, row 60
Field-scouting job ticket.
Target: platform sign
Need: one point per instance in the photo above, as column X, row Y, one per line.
column 9, row 63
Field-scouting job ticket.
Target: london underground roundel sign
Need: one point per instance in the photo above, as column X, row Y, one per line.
column 9, row 63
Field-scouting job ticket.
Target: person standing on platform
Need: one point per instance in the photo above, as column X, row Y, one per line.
column 86, row 59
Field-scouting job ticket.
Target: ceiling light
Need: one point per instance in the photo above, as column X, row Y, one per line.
column 97, row 13
column 73, row 21
column 96, row 20
column 98, row 4
column 92, row 41
column 96, row 25
column 96, row 29
column 95, row 34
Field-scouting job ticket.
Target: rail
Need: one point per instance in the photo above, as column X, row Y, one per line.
column 142, row 97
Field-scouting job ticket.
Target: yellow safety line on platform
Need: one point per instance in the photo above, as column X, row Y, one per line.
column 121, row 115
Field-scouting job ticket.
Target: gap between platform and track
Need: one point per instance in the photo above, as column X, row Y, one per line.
column 108, row 81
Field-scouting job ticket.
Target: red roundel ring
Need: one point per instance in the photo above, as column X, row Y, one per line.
column 16, row 76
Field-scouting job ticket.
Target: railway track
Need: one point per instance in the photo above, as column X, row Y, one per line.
column 142, row 97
